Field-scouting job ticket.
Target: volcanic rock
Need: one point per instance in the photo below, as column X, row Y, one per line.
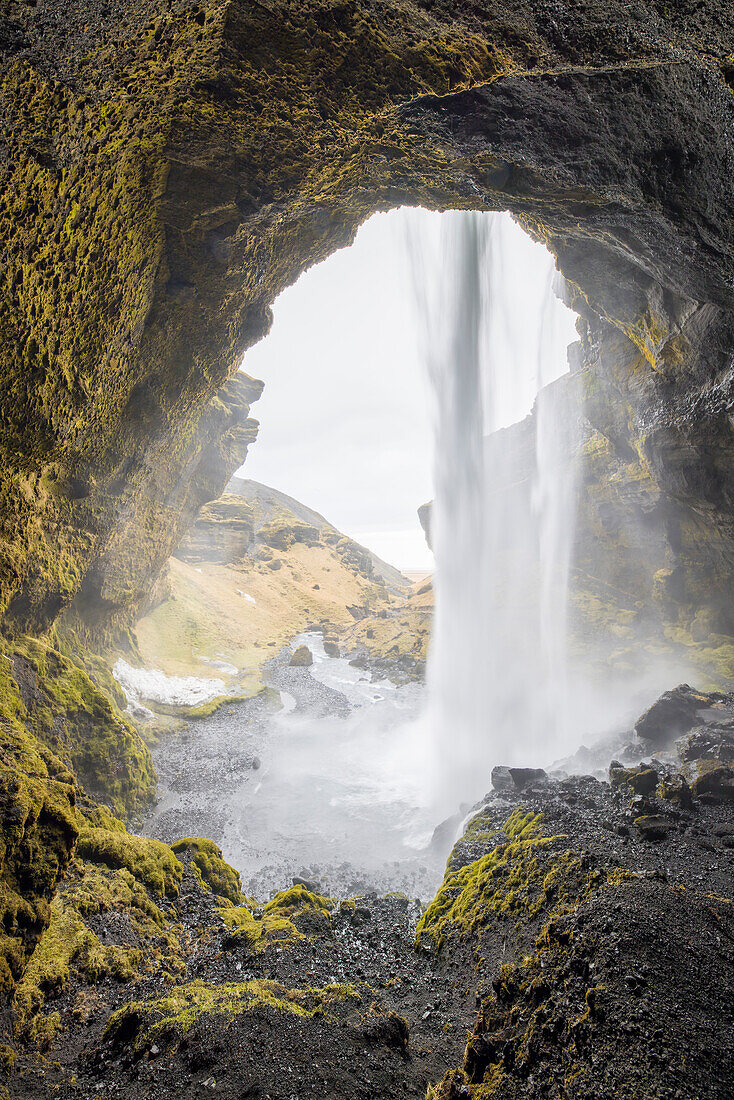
column 302, row 657
column 516, row 779
column 673, row 714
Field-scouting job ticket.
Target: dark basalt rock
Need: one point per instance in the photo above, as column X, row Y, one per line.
column 516, row 779
column 674, row 714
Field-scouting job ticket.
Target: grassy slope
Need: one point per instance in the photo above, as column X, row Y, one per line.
column 206, row 615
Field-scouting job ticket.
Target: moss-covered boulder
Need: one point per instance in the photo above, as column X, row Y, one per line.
column 302, row 657
column 52, row 694
column 150, row 861
column 560, row 910
column 215, row 872
column 142, row 1022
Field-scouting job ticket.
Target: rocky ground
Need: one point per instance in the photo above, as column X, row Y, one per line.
column 201, row 766
column 583, row 939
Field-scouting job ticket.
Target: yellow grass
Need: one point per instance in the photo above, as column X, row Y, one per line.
column 206, row 613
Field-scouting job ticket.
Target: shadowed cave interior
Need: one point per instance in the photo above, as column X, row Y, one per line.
column 167, row 170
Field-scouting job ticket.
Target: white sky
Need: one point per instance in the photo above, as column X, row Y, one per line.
column 345, row 414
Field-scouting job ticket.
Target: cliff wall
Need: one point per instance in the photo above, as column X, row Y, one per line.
column 168, row 169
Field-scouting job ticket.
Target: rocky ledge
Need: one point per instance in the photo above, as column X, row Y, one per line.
column 583, row 940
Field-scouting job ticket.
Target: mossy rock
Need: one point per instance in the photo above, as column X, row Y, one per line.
column 291, row 915
column 137, row 1025
column 640, row 780
column 512, row 881
column 39, row 826
column 54, row 697
column 150, row 861
column 70, row 949
column 215, row 872
column 302, row 657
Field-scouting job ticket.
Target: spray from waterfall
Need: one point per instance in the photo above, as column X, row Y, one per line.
column 502, row 516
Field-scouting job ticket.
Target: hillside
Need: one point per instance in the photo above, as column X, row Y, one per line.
column 257, row 568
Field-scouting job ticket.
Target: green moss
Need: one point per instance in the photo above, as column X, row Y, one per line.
column 287, row 903
column 150, row 861
column 38, row 829
column 69, row 948
column 67, row 942
column 178, row 1012
column 58, row 702
column 515, row 880
column 215, row 872
column 291, row 915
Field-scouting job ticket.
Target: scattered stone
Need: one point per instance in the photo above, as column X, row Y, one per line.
column 302, row 657
column 653, row 826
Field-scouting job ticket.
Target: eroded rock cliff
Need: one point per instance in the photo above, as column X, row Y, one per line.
column 167, row 170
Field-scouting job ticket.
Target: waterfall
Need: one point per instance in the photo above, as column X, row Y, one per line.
column 502, row 515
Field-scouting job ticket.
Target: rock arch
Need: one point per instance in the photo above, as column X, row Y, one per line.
column 170, row 166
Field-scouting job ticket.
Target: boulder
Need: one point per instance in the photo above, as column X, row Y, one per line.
column 301, row 657
column 515, row 779
column 653, row 826
column 675, row 789
column 641, row 780
column 672, row 715
column 712, row 742
column 711, row 781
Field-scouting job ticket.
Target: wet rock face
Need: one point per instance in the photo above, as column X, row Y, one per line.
column 167, row 170
column 616, row 955
column 677, row 712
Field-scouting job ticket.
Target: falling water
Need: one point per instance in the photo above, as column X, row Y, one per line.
column 554, row 506
column 454, row 354
column 502, row 519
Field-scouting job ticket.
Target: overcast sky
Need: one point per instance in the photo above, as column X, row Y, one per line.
column 345, row 424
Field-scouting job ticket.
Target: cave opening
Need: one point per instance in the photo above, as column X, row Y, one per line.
column 166, row 174
column 537, row 649
column 347, row 434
